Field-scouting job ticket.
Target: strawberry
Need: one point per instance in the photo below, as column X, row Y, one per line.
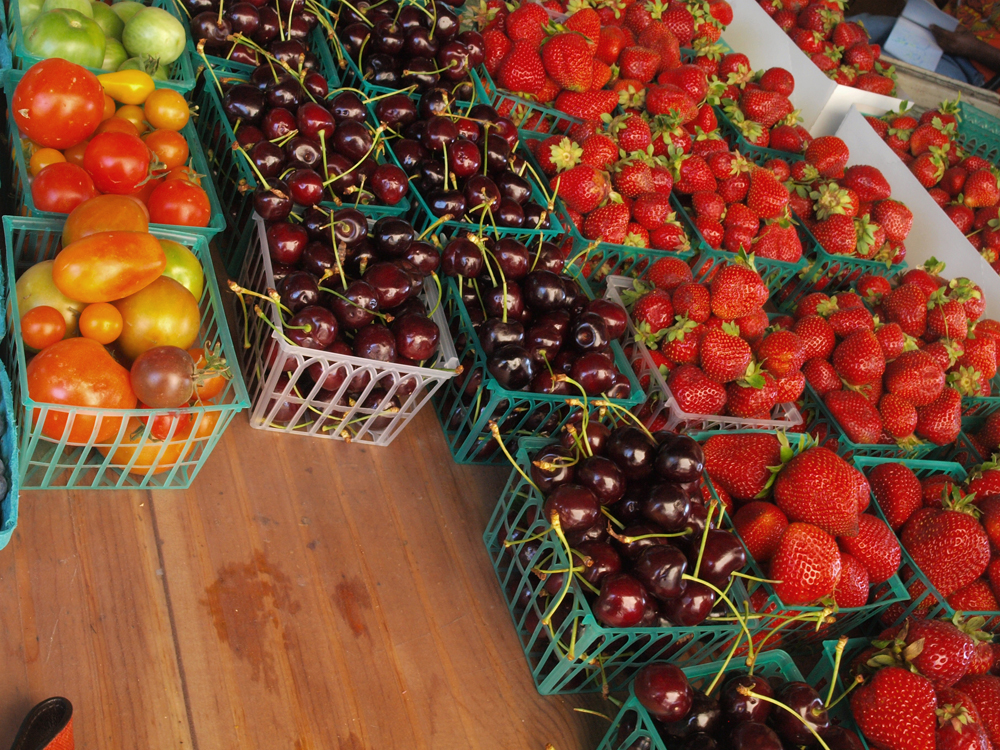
column 527, row 23
column 692, row 175
column 818, row 338
column 589, row 105
column 859, row 359
column 971, row 296
column 587, row 23
column 521, row 70
column 946, row 652
column 899, row 416
column 817, row 487
column 681, row 24
column 786, row 138
column 568, row 61
column 897, row 491
column 632, row 178
column 984, row 691
column 610, row 43
column 856, row 416
column 669, row 236
column 981, row 189
column 916, row 377
column 640, row 63
column 724, row 355
column 837, row 234
column 896, row 709
column 876, row 83
column 632, row 133
column 496, row 45
column 598, row 151
column 778, row 240
column 925, row 137
column 669, row 99
column 868, row 182
column 829, row 154
column 948, row 544
column 875, row 546
column 976, row 597
column 781, row 353
column 928, row 168
column 739, row 462
column 767, row 197
column 581, row 188
column 652, row 210
column 852, row 588
column 753, row 395
column 941, row 421
column 790, row 387
column 668, row 273
column 760, row 525
column 659, row 39
column 907, row 306
column 752, row 326
column 984, row 479
column 935, row 488
column 609, row 223
column 695, row 393
column 807, row 564
column 652, row 313
column 692, row 299
column 682, row 343
column 737, row 290
column 946, row 317
column 821, row 376
column 873, row 288
column 892, row 340
column 778, row 80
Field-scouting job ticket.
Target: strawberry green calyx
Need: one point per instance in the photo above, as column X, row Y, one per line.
column 676, row 332
column 966, row 381
column 753, row 377
column 972, row 627
column 639, row 289
column 938, row 298
column 960, row 503
column 827, row 307
column 866, row 244
column 566, row 154
column 731, row 328
column 957, row 716
column 831, row 199
column 787, row 453
column 896, row 652
column 964, row 289
column 742, row 259
column 933, row 266
column 991, row 464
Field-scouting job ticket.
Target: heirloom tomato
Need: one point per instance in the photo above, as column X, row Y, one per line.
column 36, row 288
column 57, row 104
column 108, row 266
column 162, row 314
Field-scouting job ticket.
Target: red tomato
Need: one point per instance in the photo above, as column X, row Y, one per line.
column 163, row 423
column 208, row 387
column 116, row 125
column 75, row 154
column 57, row 103
column 146, row 190
column 170, row 147
column 118, row 162
column 61, row 187
column 183, row 173
column 179, row 202
column 105, row 213
column 42, row 326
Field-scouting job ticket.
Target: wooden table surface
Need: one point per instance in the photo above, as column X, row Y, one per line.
column 305, row 594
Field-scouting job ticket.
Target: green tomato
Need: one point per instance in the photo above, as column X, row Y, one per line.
column 67, row 34
column 108, row 20
column 154, row 32
column 35, row 288
column 28, row 11
column 80, row 6
column 126, row 9
column 114, row 55
column 147, row 64
column 183, row 267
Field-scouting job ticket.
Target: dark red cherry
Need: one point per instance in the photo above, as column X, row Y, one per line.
column 753, row 736
column 313, row 327
column 389, row 184
column 810, row 713
column 614, row 316
column 453, row 58
column 838, row 738
column 298, row 290
column 463, row 158
column 473, row 42
column 622, row 601
column 600, row 559
column 588, row 332
column 305, row 187
column 724, row 554
column 738, row 708
column 504, row 297
column 633, row 450
column 705, row 717
column 396, row 111
column 651, row 536
column 268, row 159
column 595, row 372
column 494, row 334
column 277, row 123
column 419, row 43
column 602, row 477
column 286, row 241
column 248, row 136
column 692, row 607
column 417, row 337
column 576, row 506
column 512, row 367
column 554, row 470
column 497, row 152
column 209, row 27
column 679, row 459
column 664, row 691
column 346, row 105
column 375, row 341
column 595, row 433
column 481, row 192
column 424, row 256
column 544, row 291
column 666, row 505
column 391, row 284
column 441, row 133
column 660, row 568
column 356, row 310
column 462, row 257
column 352, row 140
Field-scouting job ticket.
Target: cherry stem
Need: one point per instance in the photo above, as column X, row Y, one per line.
column 800, row 617
column 260, row 314
column 592, row 713
column 336, row 250
column 857, row 681
column 615, row 521
column 838, row 655
column 272, row 294
column 381, row 316
column 740, row 574
column 704, row 536
column 253, row 167
column 208, row 65
column 623, row 412
column 246, row 318
column 533, row 537
column 437, row 304
column 745, row 691
column 495, row 430
column 585, row 252
column 437, row 222
column 732, row 607
column 587, row 583
column 582, row 445
column 557, row 528
column 725, row 664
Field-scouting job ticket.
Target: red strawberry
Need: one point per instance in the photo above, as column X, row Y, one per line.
column 981, row 189
column 781, row 353
column 682, row 343
column 852, row 588
column 941, row 421
column 837, row 234
column 668, row 273
column 652, row 210
column 652, row 313
column 873, row 288
column 790, row 387
column 856, row 416
column 753, row 395
column 817, row 487
column 876, row 83
column 976, row 597
column 868, row 182
column 587, row 23
column 695, row 393
column 767, row 197
column 589, row 105
column 692, row 300
column 907, row 306
column 669, row 99
column 946, row 651
column 640, row 63
column 760, row 525
column 724, row 355
column 521, row 70
column 875, row 546
column 859, row 359
column 496, row 45
column 925, row 137
column 948, row 545
column 527, row 22
column 632, row 178
column 984, row 691
column 807, row 563
column 581, row 188
column 737, row 290
column 897, row 491
column 915, row 376
column 818, row 339
column 821, row 376
column 899, row 416
column 829, row 154
column 778, row 80
column 896, row 709
column 946, row 317
column 568, row 61
column 739, row 462
column 598, row 151
column 609, row 223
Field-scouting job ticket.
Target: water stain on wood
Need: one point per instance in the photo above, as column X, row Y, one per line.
column 351, row 598
column 245, row 600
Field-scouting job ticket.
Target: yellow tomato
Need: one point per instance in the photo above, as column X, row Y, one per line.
column 43, row 157
column 167, row 110
column 134, row 115
column 127, row 86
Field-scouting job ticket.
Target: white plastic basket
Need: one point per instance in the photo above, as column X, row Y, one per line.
column 298, row 405
column 660, row 399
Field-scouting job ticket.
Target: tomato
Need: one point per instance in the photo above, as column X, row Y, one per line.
column 145, row 190
column 42, row 158
column 35, row 287
column 154, row 32
column 109, row 21
column 150, row 456
column 57, row 104
column 184, row 267
column 144, row 62
column 101, row 322
column 204, row 427
column 74, row 154
column 162, row 314
column 108, row 265
column 183, row 173
column 163, row 377
column 167, row 110
column 125, row 10
column 127, row 86
column 68, row 34
column 209, row 385
column 169, row 146
column 180, row 202
column 117, row 125
column 134, row 115
column 79, row 372
column 163, row 424
column 61, row 187
column 42, row 326
column 118, row 162
column 105, row 213
column 109, row 108
column 114, row 52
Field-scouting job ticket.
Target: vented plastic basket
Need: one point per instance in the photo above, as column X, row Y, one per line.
column 585, row 654
column 634, row 728
column 925, row 601
column 10, row 455
column 822, row 674
column 983, row 406
column 738, row 142
column 661, row 401
column 287, row 398
column 48, row 462
column 468, row 403
column 527, row 115
column 979, row 133
column 21, row 183
column 182, row 77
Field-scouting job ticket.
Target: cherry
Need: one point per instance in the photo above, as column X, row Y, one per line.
column 421, row 72
column 738, row 708
column 512, row 257
column 268, row 159
column 514, row 187
column 303, row 152
column 596, row 433
column 560, row 472
column 316, row 84
column 277, row 123
column 392, row 236
column 391, row 284
column 298, row 290
column 753, row 736
column 724, row 554
column 481, row 192
column 313, row 327
column 417, row 337
column 356, row 311
column 543, row 342
column 212, row 29
column 633, row 451
column 559, row 321
column 441, row 133
column 660, row 568
column 424, row 256
column 602, row 477
column 388, row 37
column 807, row 704
column 473, row 42
column 705, row 717
column 664, row 691
column 352, row 139
column 352, row 35
column 389, row 184
column 328, row 376
column 595, row 372
column 838, row 738
column 397, row 111
column 632, row 550
column 536, row 217
column 410, row 154
column 350, row 226
column 577, row 507
column 453, row 57
column 544, row 291
column 495, row 334
column 512, row 367
column 431, row 176
column 305, row 187
column 666, row 505
column 419, row 43
column 463, row 158
column 504, row 297
column 375, row 341
column 589, row 332
column 692, row 606
column 286, row 241
column 313, row 119
column 446, row 203
column 603, row 559
column 286, row 92
column 509, row 214
column 679, row 459
column 622, row 601
column 497, row 153
column 248, row 136
column 347, row 106
column 700, row 741
column 270, row 25
column 436, row 100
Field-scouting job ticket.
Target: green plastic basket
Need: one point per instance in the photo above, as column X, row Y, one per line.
column 47, row 463
column 928, row 603
column 634, row 728
column 600, row 654
column 979, row 133
column 235, row 180
column 801, row 636
column 983, row 406
column 10, row 455
column 963, row 451
column 182, row 77
column 738, row 142
column 24, row 204
column 822, row 674
column 527, row 115
column 817, row 414
column 466, row 404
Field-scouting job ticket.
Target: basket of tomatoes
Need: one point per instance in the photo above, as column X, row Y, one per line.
column 75, row 135
column 117, row 348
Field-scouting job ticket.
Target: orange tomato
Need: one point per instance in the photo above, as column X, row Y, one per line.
column 101, row 322
column 109, row 107
column 117, row 125
column 42, row 158
column 165, row 108
column 183, row 173
column 74, row 155
column 169, row 146
column 206, row 426
column 151, row 456
column 108, row 266
column 42, row 326
column 209, row 387
column 134, row 114
column 105, row 213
